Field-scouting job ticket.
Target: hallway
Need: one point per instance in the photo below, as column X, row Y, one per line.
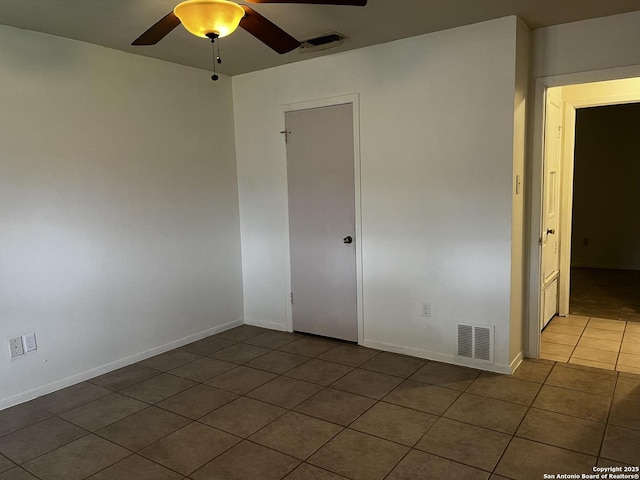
column 605, row 293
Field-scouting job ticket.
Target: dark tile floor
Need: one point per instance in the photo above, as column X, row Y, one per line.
column 251, row 403
column 603, row 293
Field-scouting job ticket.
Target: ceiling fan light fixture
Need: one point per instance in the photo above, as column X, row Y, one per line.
column 202, row 17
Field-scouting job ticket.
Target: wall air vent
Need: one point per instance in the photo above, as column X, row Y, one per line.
column 323, row 42
column 476, row 342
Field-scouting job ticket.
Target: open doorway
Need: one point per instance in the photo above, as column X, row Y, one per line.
column 590, row 291
column 605, row 239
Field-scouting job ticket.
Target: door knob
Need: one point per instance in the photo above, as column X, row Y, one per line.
column 551, row 231
column 347, row 240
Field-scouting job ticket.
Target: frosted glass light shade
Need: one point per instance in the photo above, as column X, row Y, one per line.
column 201, row 17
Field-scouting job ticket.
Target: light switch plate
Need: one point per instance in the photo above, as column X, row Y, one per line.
column 29, row 342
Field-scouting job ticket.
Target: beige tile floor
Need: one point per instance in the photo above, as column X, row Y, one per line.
column 594, row 342
column 254, row 404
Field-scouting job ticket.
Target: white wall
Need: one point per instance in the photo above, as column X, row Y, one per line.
column 600, row 43
column 606, row 188
column 436, row 137
column 119, row 233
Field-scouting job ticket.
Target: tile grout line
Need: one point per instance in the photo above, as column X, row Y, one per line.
column 581, row 336
column 377, row 401
column 606, row 426
column 292, row 409
column 576, row 345
column 523, row 417
column 620, row 346
column 439, row 417
column 324, row 387
column 241, row 439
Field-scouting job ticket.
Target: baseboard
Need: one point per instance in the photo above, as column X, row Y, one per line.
column 516, row 362
column 436, row 356
column 123, row 362
column 270, row 325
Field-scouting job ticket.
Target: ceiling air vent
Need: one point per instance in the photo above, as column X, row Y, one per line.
column 323, row 42
column 476, row 342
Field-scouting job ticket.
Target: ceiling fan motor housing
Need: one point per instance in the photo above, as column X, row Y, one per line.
column 204, row 17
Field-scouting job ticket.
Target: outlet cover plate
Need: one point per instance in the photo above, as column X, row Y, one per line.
column 15, row 345
column 426, row 309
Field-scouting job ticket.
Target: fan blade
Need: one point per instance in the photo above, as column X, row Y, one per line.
column 355, row 3
column 158, row 31
column 267, row 32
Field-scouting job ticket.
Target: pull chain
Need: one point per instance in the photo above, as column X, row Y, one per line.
column 215, row 58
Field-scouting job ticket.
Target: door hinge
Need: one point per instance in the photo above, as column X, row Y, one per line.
column 286, row 135
column 291, row 298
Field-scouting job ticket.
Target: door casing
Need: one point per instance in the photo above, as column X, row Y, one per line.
column 535, row 173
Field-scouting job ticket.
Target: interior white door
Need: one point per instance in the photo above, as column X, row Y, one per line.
column 320, row 171
column 551, row 208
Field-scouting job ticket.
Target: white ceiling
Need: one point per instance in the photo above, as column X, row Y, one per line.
column 116, row 23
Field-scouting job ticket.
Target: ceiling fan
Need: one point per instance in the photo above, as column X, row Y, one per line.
column 218, row 18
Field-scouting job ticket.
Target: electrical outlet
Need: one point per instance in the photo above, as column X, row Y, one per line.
column 15, row 344
column 426, row 309
column 29, row 342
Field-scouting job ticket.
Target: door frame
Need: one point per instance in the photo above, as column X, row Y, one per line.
column 354, row 100
column 536, row 170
